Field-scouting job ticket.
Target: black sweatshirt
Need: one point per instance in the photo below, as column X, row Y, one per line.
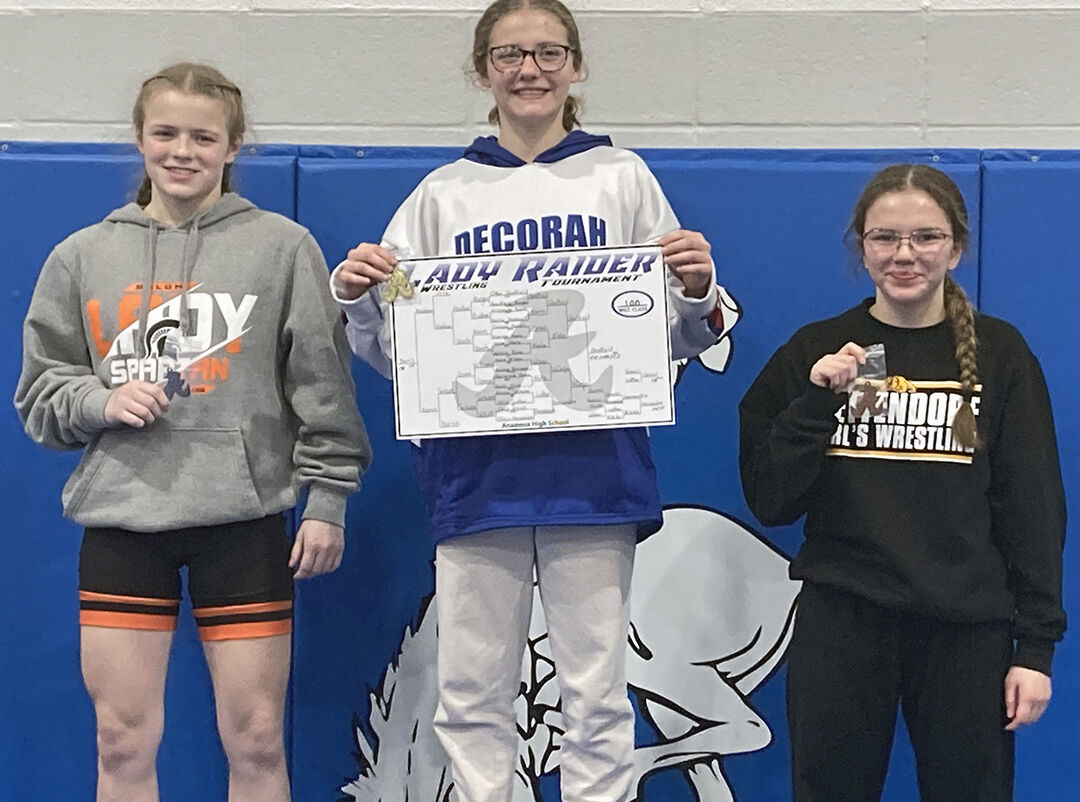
column 895, row 511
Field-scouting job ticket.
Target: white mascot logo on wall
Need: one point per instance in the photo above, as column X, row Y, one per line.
column 711, row 615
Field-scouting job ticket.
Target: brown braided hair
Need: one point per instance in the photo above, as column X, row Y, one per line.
column 958, row 309
column 192, row 79
column 482, row 41
column 961, row 317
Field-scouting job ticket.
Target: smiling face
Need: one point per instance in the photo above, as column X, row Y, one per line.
column 528, row 97
column 909, row 275
column 185, row 146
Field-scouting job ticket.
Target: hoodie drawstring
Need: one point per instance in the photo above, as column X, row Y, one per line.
column 187, row 269
column 142, row 348
column 188, row 257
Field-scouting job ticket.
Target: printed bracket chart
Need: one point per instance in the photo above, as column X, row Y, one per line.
column 533, row 341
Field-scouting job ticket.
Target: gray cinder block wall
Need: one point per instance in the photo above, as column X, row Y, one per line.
column 707, row 73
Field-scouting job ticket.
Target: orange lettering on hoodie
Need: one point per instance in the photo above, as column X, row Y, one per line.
column 93, row 314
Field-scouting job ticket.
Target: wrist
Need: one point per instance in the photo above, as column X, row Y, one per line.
column 1034, row 654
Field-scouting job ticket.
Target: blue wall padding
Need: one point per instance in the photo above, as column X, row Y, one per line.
column 1031, row 277
column 350, row 624
column 775, row 220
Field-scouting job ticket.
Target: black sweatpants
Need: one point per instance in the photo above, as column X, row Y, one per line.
column 851, row 662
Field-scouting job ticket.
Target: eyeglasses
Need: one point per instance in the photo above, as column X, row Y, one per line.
column 923, row 240
column 548, row 57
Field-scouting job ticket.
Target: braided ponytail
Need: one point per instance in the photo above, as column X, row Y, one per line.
column 961, row 317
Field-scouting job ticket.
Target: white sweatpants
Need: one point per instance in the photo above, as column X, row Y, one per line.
column 484, row 598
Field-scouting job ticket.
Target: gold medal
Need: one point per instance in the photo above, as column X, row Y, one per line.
column 397, row 284
column 898, row 384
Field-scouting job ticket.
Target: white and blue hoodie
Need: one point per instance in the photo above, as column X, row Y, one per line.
column 581, row 193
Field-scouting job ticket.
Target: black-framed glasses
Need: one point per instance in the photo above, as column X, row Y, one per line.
column 922, row 240
column 549, row 57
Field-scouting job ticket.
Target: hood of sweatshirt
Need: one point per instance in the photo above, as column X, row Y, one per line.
column 228, row 205
column 224, row 207
column 487, row 150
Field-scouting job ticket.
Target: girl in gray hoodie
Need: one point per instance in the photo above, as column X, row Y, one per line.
column 188, row 344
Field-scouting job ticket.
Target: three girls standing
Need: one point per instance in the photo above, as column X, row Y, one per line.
column 932, row 572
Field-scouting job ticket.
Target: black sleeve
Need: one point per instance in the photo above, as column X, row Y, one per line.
column 1027, row 505
column 785, row 423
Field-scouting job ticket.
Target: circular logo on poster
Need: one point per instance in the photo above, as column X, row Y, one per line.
column 632, row 303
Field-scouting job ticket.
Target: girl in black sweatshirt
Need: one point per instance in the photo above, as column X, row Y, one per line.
column 935, row 515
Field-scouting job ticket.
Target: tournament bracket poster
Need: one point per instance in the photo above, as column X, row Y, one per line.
column 535, row 341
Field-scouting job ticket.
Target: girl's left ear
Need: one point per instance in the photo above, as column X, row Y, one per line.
column 234, row 149
column 954, row 260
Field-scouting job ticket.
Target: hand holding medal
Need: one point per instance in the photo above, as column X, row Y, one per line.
column 364, row 266
column 838, row 371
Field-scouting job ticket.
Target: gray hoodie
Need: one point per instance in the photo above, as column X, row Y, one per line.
column 230, row 313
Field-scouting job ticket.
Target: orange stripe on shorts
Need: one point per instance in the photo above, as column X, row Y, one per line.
column 252, row 629
column 105, row 618
column 243, row 609
column 89, row 595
